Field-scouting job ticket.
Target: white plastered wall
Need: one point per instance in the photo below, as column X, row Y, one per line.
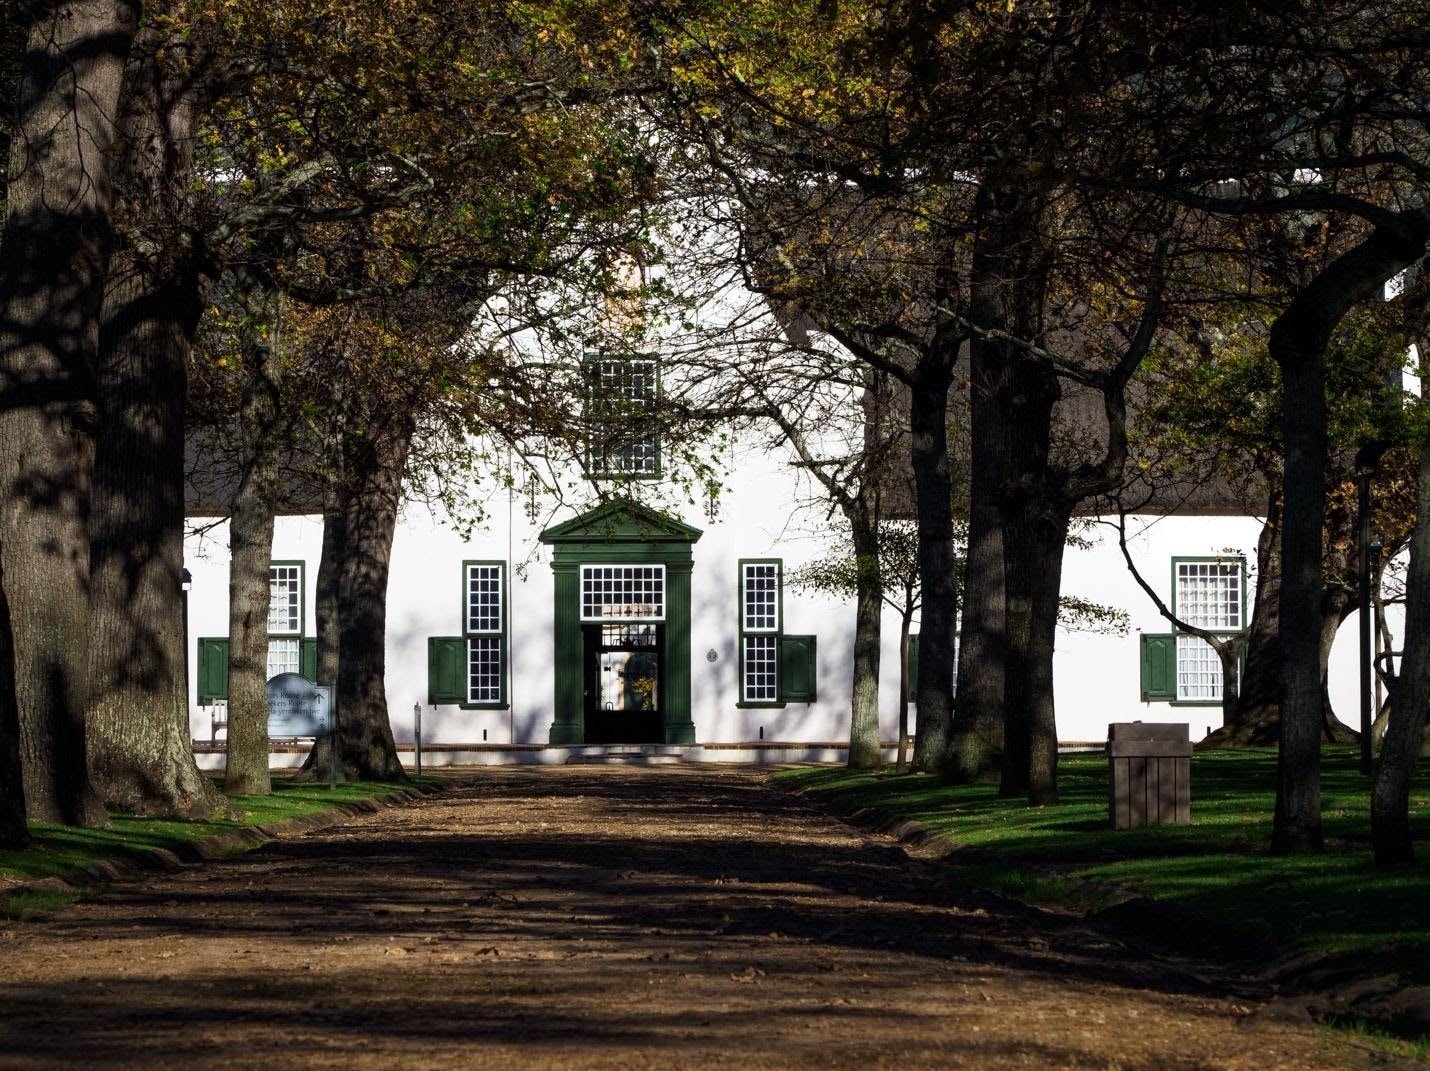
column 1097, row 676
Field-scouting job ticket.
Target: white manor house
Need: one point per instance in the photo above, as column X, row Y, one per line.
column 630, row 624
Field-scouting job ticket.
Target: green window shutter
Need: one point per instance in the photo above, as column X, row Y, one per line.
column 213, row 670
column 798, row 669
column 913, row 682
column 1159, row 667
column 446, row 669
column 308, row 659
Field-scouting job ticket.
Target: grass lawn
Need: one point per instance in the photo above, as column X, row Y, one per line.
column 56, row 849
column 1216, row 868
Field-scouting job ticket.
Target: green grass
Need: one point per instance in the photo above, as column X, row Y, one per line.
column 55, row 849
column 1217, row 868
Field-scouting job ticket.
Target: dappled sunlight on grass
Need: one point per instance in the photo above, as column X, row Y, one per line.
column 1217, row 867
column 56, row 849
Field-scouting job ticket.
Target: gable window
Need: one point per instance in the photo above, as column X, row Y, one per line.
column 623, row 440
column 1209, row 593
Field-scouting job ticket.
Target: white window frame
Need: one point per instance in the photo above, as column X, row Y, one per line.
column 774, row 566
column 487, row 641
column 293, row 615
column 617, row 446
column 587, row 572
column 750, row 667
column 1197, row 659
column 762, row 637
column 291, row 658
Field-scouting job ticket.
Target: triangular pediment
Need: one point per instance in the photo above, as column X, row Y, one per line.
column 621, row 521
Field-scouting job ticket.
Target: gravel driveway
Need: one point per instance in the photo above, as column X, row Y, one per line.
column 602, row 917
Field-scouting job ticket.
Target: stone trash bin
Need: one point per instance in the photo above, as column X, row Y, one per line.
column 1150, row 774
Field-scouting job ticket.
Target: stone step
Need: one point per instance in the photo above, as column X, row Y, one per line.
column 623, row 758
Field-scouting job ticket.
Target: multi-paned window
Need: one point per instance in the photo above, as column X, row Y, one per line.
column 285, row 655
column 1210, row 594
column 285, row 618
column 285, row 599
column 484, row 612
column 760, row 624
column 623, row 438
column 622, row 593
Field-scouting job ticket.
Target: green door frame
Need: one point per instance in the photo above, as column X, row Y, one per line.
column 620, row 532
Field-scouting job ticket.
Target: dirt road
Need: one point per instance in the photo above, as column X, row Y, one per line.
column 602, row 917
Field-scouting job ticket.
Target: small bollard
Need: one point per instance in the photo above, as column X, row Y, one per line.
column 417, row 733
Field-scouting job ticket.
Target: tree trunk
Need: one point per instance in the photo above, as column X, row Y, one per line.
column 251, row 552
column 1297, row 825
column 933, row 491
column 864, row 750
column 53, row 258
column 1336, row 607
column 976, row 739
column 1390, row 796
column 1030, row 760
column 13, row 831
column 1298, row 341
column 1256, row 721
column 374, row 471
column 140, row 749
column 1034, row 537
column 325, row 613
column 325, row 597
column 139, row 743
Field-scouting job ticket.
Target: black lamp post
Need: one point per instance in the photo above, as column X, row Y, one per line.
column 186, row 581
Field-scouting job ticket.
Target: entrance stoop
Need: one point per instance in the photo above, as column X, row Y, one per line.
column 627, row 755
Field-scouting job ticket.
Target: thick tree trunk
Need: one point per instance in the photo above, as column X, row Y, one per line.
column 1033, row 540
column 1390, row 796
column 140, row 750
column 1297, row 825
column 139, row 743
column 864, row 750
column 1298, row 346
column 933, row 491
column 1030, row 758
column 53, row 258
column 374, row 474
column 13, row 831
column 325, row 613
column 975, row 743
column 250, row 554
column 325, row 597
column 1256, row 721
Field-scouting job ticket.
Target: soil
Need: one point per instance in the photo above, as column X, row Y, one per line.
column 606, row 917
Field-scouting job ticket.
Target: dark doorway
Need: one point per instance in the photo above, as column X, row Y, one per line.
column 624, row 674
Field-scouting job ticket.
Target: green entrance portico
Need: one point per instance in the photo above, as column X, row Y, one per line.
column 622, row 620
